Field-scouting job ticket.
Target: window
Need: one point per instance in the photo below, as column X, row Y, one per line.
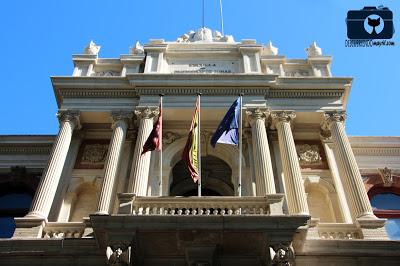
column 12, row 205
column 387, row 205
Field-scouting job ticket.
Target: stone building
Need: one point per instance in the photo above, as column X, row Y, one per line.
column 88, row 197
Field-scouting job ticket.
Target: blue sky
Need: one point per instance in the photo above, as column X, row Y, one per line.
column 39, row 37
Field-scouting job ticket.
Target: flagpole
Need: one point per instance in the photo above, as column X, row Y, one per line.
column 160, row 184
column 199, row 146
column 240, row 147
column 222, row 17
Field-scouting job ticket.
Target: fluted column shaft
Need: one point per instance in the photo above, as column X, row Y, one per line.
column 261, row 153
column 141, row 162
column 46, row 191
column 297, row 201
column 120, row 126
column 352, row 180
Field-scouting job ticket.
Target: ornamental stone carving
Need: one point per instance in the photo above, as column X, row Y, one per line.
column 270, row 49
column 387, row 177
column 297, row 73
column 107, row 73
column 205, row 35
column 170, row 137
column 146, row 112
column 308, row 154
column 121, row 115
column 92, row 49
column 282, row 255
column 70, row 116
column 313, row 50
column 333, row 116
column 257, row 113
column 282, row 116
column 118, row 255
column 94, row 153
column 137, row 49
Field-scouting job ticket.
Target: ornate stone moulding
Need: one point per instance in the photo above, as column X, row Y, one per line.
column 376, row 151
column 25, row 149
column 205, row 91
column 97, row 93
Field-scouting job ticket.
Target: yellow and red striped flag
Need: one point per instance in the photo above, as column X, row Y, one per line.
column 191, row 153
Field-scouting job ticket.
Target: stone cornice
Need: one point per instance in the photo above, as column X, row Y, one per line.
column 304, row 93
column 203, row 90
column 97, row 93
column 33, row 148
column 375, row 146
column 26, row 144
column 376, row 151
column 202, row 80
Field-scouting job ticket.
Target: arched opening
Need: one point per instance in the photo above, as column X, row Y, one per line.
column 319, row 204
column 387, row 205
column 13, row 204
column 216, row 178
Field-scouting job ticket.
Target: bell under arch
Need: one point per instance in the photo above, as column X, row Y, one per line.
column 216, row 178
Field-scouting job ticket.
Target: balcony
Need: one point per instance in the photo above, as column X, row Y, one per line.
column 200, row 206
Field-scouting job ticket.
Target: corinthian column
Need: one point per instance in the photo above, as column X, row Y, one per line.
column 141, row 162
column 262, row 157
column 46, row 191
column 120, row 125
column 351, row 177
column 297, row 201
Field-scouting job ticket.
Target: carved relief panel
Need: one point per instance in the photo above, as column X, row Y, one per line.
column 311, row 155
column 92, row 154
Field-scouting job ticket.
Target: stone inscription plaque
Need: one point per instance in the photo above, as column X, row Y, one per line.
column 204, row 67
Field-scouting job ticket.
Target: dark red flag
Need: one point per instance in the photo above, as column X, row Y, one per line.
column 154, row 141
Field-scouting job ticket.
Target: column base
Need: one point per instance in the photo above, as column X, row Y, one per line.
column 101, row 213
column 35, row 215
column 372, row 228
column 29, row 227
column 367, row 216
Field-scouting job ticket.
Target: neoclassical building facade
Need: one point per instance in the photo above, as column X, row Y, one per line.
column 88, row 196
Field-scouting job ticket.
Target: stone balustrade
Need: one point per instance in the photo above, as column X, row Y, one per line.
column 135, row 205
column 338, row 231
column 63, row 230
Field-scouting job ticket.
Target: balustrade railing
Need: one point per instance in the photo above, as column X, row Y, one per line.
column 134, row 205
column 63, row 230
column 338, row 231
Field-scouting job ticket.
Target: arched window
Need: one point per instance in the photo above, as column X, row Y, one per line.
column 386, row 204
column 216, row 178
column 13, row 204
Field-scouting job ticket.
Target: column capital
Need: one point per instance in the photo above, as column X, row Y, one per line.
column 333, row 116
column 121, row 115
column 256, row 113
column 282, row 116
column 146, row 112
column 69, row 116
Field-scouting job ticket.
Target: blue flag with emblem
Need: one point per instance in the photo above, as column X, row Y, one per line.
column 228, row 129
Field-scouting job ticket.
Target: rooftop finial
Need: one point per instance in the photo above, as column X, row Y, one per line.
column 314, row 50
column 270, row 49
column 137, row 49
column 92, row 48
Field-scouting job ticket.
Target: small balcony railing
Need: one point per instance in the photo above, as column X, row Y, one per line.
column 136, row 205
column 63, row 230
